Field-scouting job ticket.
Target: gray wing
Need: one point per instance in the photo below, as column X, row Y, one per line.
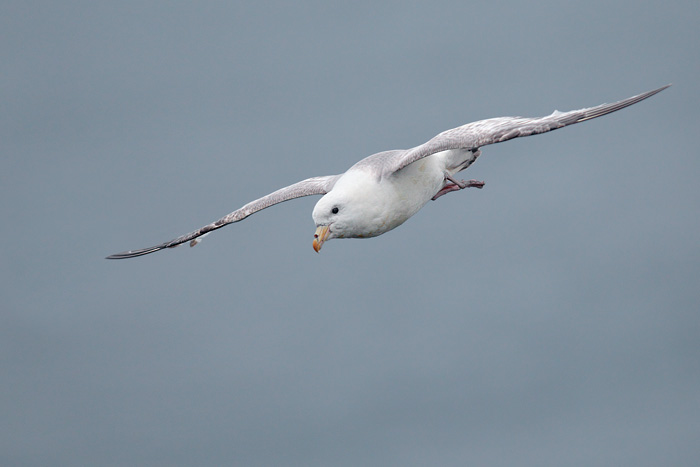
column 496, row 130
column 310, row 186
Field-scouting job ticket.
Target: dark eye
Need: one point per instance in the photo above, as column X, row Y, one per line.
column 335, row 210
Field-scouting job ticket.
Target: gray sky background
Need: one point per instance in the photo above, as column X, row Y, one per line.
column 551, row 318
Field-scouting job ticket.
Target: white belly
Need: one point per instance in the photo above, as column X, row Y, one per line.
column 412, row 187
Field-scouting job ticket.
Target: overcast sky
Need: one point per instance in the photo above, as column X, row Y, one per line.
column 552, row 318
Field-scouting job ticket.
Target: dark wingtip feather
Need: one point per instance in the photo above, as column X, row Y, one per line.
column 605, row 109
column 135, row 253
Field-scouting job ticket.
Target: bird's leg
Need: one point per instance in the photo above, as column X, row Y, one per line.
column 457, row 185
column 446, row 189
column 464, row 183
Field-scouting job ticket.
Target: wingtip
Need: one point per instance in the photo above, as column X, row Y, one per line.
column 135, row 253
column 658, row 90
column 648, row 94
column 122, row 255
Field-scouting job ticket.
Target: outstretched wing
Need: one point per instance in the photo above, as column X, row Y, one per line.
column 310, row 186
column 496, row 130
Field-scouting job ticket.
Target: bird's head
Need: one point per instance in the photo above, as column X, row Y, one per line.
column 357, row 207
column 331, row 215
column 350, row 210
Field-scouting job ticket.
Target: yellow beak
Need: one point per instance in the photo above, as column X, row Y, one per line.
column 320, row 236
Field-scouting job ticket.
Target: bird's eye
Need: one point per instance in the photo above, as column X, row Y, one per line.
column 335, row 210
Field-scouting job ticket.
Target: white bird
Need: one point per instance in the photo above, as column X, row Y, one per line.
column 380, row 192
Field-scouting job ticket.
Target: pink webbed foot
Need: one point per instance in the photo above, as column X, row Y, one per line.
column 458, row 185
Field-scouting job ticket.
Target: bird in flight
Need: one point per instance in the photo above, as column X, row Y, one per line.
column 380, row 192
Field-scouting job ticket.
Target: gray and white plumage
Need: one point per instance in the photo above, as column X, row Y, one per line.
column 382, row 191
